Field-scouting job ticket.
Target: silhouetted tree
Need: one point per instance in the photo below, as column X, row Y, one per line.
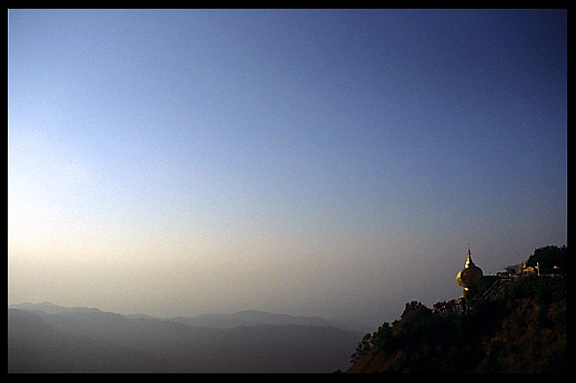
column 362, row 348
column 383, row 338
column 548, row 257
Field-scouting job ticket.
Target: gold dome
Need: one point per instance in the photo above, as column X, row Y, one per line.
column 470, row 275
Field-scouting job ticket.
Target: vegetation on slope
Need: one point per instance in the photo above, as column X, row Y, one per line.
column 522, row 329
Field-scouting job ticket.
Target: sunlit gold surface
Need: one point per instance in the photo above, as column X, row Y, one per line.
column 469, row 276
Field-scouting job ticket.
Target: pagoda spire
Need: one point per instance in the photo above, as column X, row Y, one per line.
column 469, row 260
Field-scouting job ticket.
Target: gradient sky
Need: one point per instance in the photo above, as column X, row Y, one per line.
column 310, row 162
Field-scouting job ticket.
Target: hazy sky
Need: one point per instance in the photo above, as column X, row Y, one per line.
column 308, row 162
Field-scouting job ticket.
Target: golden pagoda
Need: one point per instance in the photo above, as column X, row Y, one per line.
column 469, row 276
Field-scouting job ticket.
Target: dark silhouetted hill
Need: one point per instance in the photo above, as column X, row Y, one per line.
column 90, row 340
column 516, row 324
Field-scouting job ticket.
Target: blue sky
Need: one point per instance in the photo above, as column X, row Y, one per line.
column 310, row 162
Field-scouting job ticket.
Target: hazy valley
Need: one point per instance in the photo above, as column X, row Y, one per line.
column 49, row 338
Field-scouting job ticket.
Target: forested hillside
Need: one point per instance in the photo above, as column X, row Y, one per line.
column 521, row 329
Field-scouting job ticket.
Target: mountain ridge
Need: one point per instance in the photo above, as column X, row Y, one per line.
column 95, row 341
column 51, row 308
column 249, row 317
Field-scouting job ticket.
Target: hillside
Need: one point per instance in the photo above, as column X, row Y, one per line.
column 521, row 330
column 90, row 340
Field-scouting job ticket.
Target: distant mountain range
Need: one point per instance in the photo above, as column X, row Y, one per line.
column 51, row 308
column 45, row 337
column 212, row 320
column 254, row 317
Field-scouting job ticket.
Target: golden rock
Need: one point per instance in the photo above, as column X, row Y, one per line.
column 470, row 275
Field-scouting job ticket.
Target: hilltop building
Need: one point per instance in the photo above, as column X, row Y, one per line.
column 513, row 269
column 478, row 286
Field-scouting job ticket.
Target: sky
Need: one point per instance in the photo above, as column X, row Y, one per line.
column 332, row 163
